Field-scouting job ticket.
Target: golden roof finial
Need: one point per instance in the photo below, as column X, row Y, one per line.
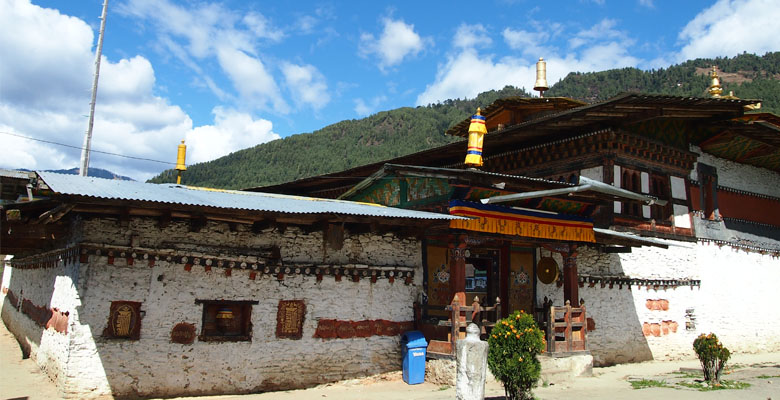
column 715, row 88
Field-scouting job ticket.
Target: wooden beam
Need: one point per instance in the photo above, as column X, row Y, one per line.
column 197, row 223
column 54, row 214
column 164, row 220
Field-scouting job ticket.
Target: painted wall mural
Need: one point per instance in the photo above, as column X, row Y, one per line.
column 439, row 293
column 521, row 288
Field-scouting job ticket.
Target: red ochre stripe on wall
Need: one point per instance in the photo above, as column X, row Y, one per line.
column 742, row 206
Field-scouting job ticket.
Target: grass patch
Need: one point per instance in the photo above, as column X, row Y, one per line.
column 767, row 376
column 723, row 385
column 445, row 387
column 647, row 383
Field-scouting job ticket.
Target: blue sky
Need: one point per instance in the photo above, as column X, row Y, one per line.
column 232, row 74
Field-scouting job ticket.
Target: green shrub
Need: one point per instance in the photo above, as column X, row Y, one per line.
column 514, row 344
column 712, row 355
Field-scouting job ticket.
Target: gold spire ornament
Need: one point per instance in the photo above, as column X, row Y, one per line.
column 477, row 131
column 715, row 88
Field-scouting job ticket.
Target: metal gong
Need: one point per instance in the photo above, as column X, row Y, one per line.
column 547, row 270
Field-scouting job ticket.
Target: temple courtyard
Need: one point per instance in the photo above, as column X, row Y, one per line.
column 21, row 379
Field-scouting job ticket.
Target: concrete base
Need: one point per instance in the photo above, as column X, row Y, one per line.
column 556, row 368
column 563, row 367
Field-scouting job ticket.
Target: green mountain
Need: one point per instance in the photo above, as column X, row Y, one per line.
column 407, row 130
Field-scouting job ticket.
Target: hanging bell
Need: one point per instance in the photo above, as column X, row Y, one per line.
column 477, row 131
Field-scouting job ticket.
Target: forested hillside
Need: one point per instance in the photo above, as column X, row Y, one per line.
column 337, row 147
column 393, row 133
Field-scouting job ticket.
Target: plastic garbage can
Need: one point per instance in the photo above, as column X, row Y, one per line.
column 414, row 349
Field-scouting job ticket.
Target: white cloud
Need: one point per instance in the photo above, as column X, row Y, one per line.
column 33, row 60
column 527, row 42
column 598, row 33
column 307, row 85
column 597, row 48
column 306, row 23
column 262, row 27
column 647, row 3
column 207, row 30
column 53, row 63
column 398, row 41
column 467, row 74
column 730, row 27
column 470, row 36
column 232, row 131
column 363, row 109
column 251, row 79
column 126, row 80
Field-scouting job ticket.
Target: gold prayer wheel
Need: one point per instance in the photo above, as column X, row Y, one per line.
column 541, row 77
column 180, row 157
column 224, row 318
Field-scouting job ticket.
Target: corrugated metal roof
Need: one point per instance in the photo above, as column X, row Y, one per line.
column 450, row 173
column 100, row 188
column 14, row 174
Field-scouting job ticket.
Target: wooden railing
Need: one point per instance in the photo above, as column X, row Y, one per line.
column 566, row 328
column 459, row 318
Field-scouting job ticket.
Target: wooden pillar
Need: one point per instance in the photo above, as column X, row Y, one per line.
column 504, row 273
column 458, row 270
column 570, row 277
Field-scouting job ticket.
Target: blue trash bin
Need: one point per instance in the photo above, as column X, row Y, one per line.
column 414, row 349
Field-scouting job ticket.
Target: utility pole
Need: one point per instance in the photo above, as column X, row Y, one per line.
column 88, row 136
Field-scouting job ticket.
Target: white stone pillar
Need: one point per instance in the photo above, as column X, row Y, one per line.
column 472, row 366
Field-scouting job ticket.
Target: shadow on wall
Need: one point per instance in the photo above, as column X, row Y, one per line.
column 13, row 324
column 25, row 330
column 615, row 333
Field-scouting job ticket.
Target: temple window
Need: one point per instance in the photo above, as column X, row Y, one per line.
column 631, row 180
column 227, row 321
column 659, row 187
column 708, row 181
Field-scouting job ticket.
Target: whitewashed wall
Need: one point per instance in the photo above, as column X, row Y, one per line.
column 45, row 287
column 155, row 366
column 740, row 176
column 736, row 301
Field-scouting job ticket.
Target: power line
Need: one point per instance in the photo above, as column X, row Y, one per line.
column 82, row 148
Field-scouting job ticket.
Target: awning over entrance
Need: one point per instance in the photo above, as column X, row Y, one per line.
column 608, row 236
column 510, row 221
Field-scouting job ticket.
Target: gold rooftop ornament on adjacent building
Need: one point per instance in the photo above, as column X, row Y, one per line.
column 541, row 77
column 477, row 131
column 180, row 164
column 715, row 88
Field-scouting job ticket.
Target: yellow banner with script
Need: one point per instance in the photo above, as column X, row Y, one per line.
column 507, row 221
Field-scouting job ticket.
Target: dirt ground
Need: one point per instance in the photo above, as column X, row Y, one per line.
column 21, row 379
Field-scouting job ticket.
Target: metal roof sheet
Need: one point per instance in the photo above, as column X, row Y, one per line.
column 416, row 170
column 14, row 174
column 638, row 240
column 101, row 188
